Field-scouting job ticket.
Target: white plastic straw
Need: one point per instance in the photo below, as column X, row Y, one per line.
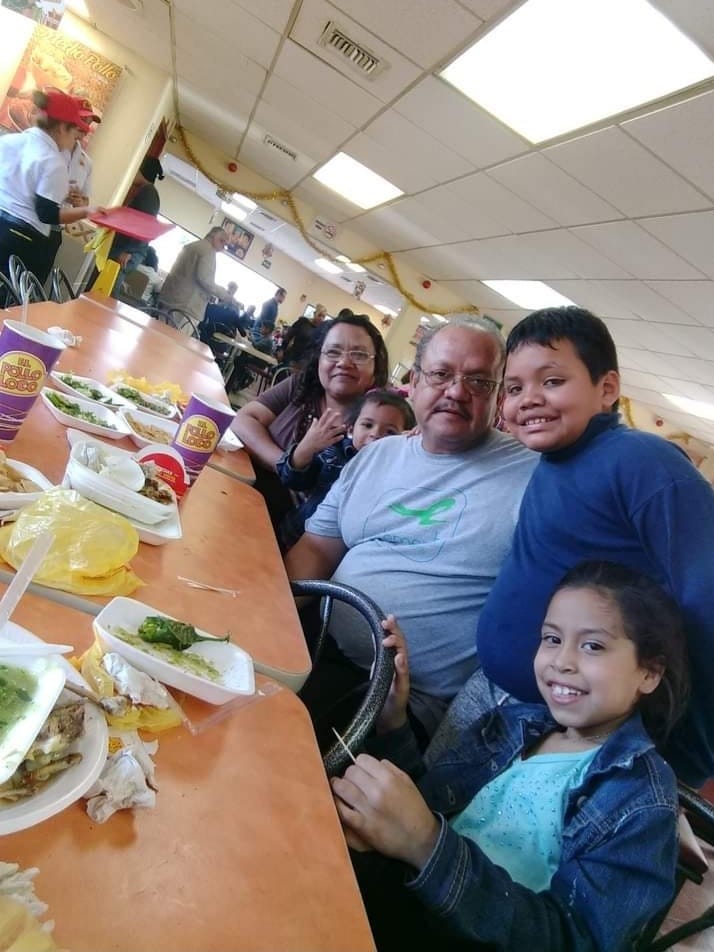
column 349, row 752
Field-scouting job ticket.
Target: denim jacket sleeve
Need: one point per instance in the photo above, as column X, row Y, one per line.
column 477, row 900
column 300, row 479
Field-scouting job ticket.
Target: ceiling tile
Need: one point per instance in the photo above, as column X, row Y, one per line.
column 685, row 388
column 411, row 146
column 683, row 136
column 391, row 229
column 325, row 201
column 289, row 115
column 660, row 338
column 276, row 13
column 625, row 174
column 249, row 35
column 553, row 191
column 409, row 25
column 694, row 19
column 636, row 251
column 486, row 8
column 645, row 304
column 566, row 251
column 691, row 236
column 271, row 163
column 481, row 194
column 694, row 297
column 424, row 222
column 453, row 119
column 410, row 177
column 688, row 368
column 325, row 85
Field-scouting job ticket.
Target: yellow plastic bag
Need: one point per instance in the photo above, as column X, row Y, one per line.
column 139, row 717
column 20, row 931
column 100, row 243
column 90, row 549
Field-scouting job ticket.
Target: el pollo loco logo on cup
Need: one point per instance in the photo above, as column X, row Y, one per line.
column 21, row 374
column 198, row 432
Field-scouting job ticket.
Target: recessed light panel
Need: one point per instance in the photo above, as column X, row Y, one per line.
column 695, row 407
column 553, row 66
column 326, row 265
column 355, row 182
column 531, row 295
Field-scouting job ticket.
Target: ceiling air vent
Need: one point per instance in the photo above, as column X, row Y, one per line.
column 279, row 147
column 355, row 54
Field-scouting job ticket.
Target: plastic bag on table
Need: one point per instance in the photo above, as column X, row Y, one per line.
column 20, row 931
column 90, row 550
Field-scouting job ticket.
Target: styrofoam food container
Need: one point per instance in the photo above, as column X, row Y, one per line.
column 10, row 500
column 170, row 427
column 235, row 666
column 106, row 492
column 110, row 399
column 153, row 404
column 115, row 429
column 17, row 739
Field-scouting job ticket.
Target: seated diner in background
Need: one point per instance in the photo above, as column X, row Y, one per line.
column 421, row 525
column 349, row 361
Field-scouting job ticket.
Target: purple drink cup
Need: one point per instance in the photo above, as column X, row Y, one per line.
column 26, row 357
column 201, row 427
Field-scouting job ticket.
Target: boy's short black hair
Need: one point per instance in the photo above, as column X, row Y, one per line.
column 587, row 333
column 382, row 398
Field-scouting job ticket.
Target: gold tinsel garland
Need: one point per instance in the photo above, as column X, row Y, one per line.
column 286, row 198
column 626, row 409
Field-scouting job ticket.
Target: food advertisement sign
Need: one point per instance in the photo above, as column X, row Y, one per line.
column 47, row 12
column 54, row 59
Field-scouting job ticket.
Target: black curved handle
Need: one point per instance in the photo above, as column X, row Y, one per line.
column 336, row 759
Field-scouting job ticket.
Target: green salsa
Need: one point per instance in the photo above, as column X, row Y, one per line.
column 191, row 663
column 17, row 688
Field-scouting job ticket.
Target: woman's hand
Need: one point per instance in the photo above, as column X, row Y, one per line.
column 326, row 431
column 394, row 712
column 381, row 808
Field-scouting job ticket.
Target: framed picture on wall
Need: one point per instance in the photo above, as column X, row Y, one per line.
column 239, row 239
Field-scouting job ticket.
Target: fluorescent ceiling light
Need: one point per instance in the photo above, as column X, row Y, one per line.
column 343, row 258
column 356, row 267
column 230, row 209
column 555, row 65
column 386, row 310
column 244, row 202
column 328, row 266
column 440, row 318
column 529, row 294
column 695, row 407
column 355, row 182
column 79, row 8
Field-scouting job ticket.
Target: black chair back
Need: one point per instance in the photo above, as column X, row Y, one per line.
column 8, row 298
column 31, row 289
column 61, row 289
column 16, row 268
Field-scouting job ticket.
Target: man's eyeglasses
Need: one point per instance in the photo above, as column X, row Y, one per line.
column 443, row 379
column 336, row 354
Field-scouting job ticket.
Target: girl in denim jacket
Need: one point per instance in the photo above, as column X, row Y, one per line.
column 544, row 828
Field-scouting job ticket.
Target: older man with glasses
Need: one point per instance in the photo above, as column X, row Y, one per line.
column 191, row 283
column 422, row 525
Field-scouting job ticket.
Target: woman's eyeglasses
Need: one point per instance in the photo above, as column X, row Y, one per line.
column 336, row 354
column 443, row 379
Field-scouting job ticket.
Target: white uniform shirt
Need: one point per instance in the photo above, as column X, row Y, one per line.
column 30, row 165
column 79, row 167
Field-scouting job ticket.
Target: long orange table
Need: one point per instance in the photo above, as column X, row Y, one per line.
column 243, row 850
column 111, row 343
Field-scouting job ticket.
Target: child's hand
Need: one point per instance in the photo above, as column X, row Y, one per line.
column 322, row 433
column 380, row 805
column 394, row 712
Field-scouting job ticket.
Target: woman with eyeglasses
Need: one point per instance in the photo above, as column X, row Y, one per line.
column 348, row 359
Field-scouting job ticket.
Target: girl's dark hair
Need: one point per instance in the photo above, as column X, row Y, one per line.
column 652, row 621
column 309, row 391
column 382, row 398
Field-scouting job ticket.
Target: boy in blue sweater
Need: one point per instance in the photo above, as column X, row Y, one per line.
column 600, row 491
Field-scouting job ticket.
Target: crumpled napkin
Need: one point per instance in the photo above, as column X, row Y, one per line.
column 127, row 780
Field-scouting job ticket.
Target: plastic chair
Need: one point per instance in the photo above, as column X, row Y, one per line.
column 8, row 298
column 336, row 759
column 16, row 268
column 31, row 289
column 61, row 289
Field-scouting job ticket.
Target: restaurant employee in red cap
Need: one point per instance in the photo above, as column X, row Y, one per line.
column 34, row 181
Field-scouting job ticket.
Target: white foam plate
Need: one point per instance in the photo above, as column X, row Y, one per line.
column 170, row 427
column 235, row 666
column 119, row 431
column 160, row 408
column 70, row 785
column 108, row 398
column 167, row 531
column 12, row 501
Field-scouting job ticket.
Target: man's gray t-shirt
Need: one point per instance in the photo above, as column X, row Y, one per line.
column 426, row 535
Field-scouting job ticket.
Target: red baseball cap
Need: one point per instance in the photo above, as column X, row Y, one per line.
column 87, row 110
column 65, row 108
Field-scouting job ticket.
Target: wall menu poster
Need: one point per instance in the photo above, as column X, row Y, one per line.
column 239, row 239
column 47, row 12
column 54, row 59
